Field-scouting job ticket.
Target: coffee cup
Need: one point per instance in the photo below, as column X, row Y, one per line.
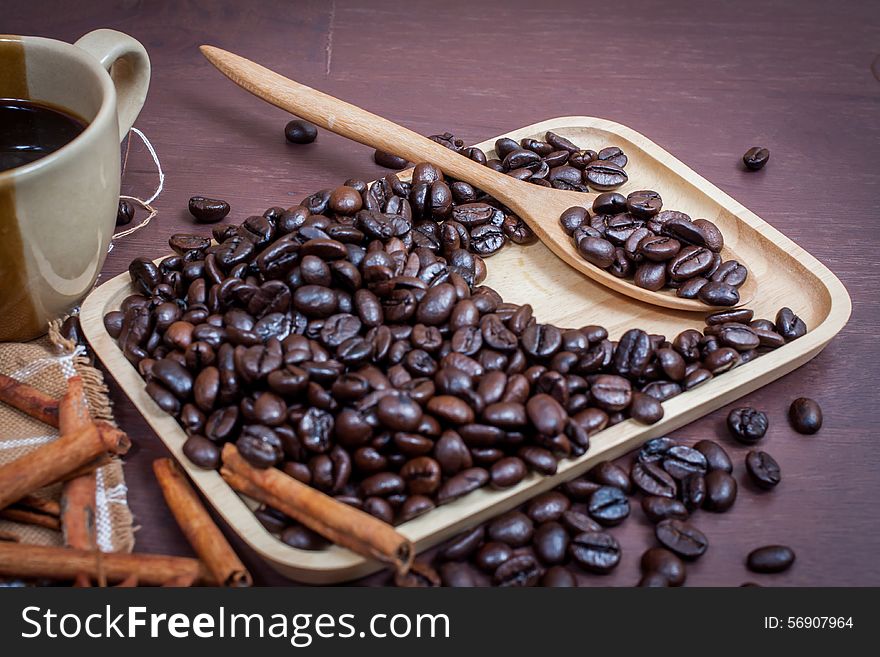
column 58, row 211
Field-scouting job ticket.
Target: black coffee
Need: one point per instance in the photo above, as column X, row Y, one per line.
column 31, row 130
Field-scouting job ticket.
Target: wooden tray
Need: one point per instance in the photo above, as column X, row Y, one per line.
column 789, row 276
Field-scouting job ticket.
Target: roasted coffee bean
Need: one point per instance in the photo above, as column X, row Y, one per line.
column 452, row 454
column 551, row 542
column 514, row 528
column 693, row 491
column 789, row 325
column 558, row 577
column 491, row 555
column 422, row 475
column 658, row 508
column 652, row 479
column 748, row 425
column 538, row 459
column 379, row 508
column 805, row 415
column 604, row 176
column 770, row 559
column 633, row 354
column 689, row 262
column 611, row 393
column 653, row 580
column 597, row 251
column 260, row 446
column 507, row 472
column 645, row 409
column 457, row 575
column 208, row 210
column 653, row 450
column 716, row 457
column 714, row 293
column 763, row 469
column 681, row 461
column 548, row 506
column 738, row 336
column 644, row 203
column 300, row 132
column 690, row 289
column 420, row 575
column 612, row 154
column 730, row 272
column 388, row 160
column 462, row 483
column 608, row 506
column 665, row 563
column 518, row 571
column 682, row 538
column 574, row 218
column 609, row 203
column 464, row 544
column 597, row 552
column 720, row 491
column 755, row 158
column 202, row 452
column 610, row 474
column 518, row 231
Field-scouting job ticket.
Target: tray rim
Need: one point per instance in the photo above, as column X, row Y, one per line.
column 337, row 564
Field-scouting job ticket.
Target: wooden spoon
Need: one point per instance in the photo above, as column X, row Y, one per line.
column 539, row 207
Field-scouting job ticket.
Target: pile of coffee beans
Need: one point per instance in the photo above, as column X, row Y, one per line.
column 345, row 345
column 563, row 536
column 633, row 237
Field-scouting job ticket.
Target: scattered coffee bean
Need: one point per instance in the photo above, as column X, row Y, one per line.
column 682, row 538
column 720, row 491
column 124, row 212
column 208, row 210
column 756, row 157
column 596, row 552
column 770, row 559
column 748, row 425
column 300, row 132
column 665, row 563
column 389, row 161
column 658, row 508
column 805, row 415
column 763, row 469
column 716, row 457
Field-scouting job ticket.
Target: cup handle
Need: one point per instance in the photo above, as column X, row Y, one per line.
column 129, row 66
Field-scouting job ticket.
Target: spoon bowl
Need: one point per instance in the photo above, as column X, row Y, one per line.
column 540, row 207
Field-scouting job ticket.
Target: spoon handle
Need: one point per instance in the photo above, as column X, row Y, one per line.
column 355, row 123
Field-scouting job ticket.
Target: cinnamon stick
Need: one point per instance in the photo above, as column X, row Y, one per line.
column 129, row 582
column 196, row 524
column 41, row 504
column 179, row 582
column 51, row 462
column 59, row 563
column 77, row 495
column 91, row 466
column 27, row 517
column 338, row 522
column 29, row 400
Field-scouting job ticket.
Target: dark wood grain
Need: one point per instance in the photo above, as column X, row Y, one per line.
column 704, row 80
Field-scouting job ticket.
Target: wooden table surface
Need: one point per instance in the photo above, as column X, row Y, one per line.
column 704, row 80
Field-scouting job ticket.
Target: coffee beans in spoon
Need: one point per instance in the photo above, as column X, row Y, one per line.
column 633, row 237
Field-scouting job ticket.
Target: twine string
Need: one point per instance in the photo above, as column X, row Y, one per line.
column 146, row 205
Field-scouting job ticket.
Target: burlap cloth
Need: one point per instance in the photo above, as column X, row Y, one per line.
column 46, row 364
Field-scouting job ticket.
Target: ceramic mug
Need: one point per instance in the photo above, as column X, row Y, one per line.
column 58, row 213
